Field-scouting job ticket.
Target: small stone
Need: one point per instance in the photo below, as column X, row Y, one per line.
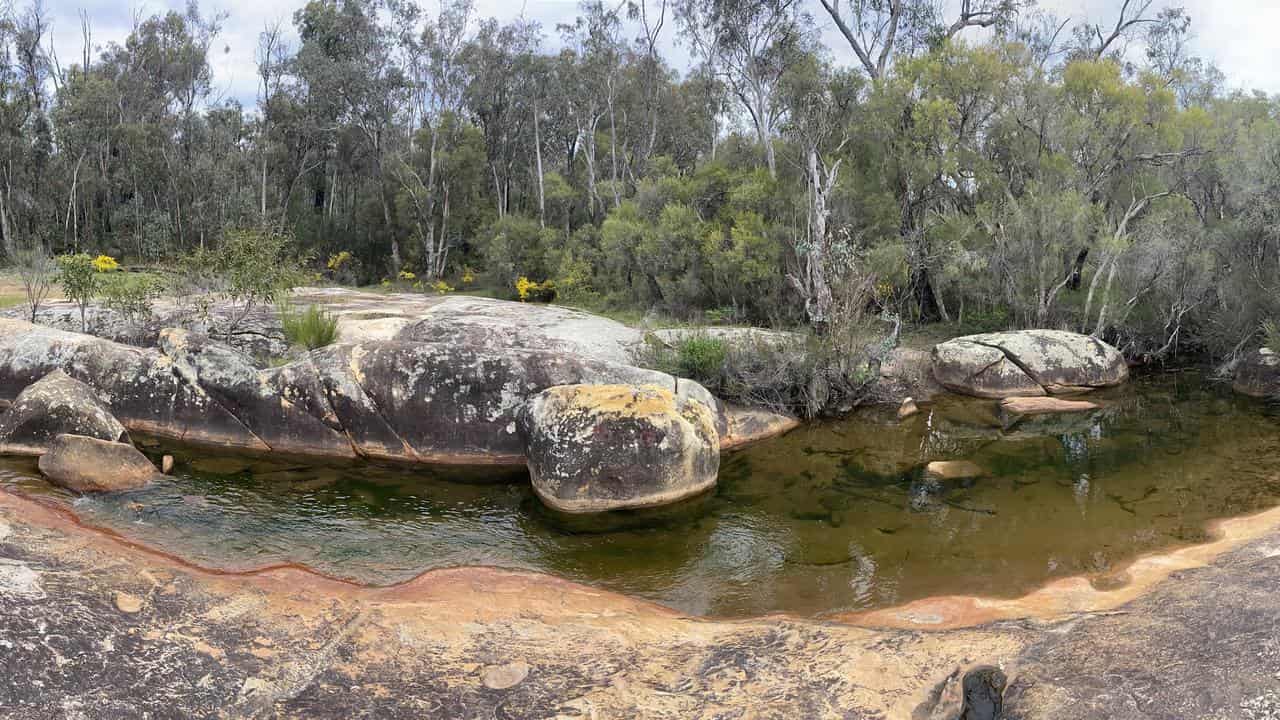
column 166, row 464
column 907, row 409
column 128, row 604
column 953, row 470
column 501, row 677
column 263, row 641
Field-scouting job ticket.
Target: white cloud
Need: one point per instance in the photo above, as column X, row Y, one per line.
column 1235, row 34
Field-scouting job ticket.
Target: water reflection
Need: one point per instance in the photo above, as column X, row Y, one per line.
column 832, row 517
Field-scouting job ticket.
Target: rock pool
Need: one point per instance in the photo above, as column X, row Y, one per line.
column 833, row 517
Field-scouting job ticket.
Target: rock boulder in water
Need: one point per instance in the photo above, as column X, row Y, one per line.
column 54, row 405
column 1027, row 363
column 90, row 465
column 1258, row 374
column 594, row 448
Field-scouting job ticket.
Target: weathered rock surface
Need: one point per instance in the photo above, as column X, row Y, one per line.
column 501, row 325
column 287, row 644
column 395, row 400
column 1258, row 374
column 595, row 448
column 54, row 405
column 1027, row 363
column 89, row 465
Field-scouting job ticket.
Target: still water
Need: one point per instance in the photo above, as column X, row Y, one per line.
column 833, row 517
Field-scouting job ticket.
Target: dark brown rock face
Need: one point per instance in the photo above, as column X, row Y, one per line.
column 54, row 405
column 89, row 465
column 594, row 448
column 1258, row 374
column 1027, row 363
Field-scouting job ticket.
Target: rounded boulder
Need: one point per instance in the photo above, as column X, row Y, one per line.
column 89, row 465
column 1258, row 374
column 1027, row 363
column 596, row 448
column 54, row 405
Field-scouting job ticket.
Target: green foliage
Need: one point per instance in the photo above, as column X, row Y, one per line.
column 311, row 328
column 248, row 269
column 79, row 280
column 131, row 295
column 1271, row 335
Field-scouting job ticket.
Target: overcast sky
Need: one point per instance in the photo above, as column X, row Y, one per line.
column 1237, row 35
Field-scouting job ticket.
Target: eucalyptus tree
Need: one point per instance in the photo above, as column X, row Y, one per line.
column 348, row 54
column 751, row 44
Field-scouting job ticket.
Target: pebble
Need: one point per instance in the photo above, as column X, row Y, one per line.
column 501, row 677
column 127, row 603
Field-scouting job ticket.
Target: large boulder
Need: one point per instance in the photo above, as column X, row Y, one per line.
column 500, row 325
column 1258, row 374
column 89, row 465
column 408, row 401
column 1027, row 363
column 594, row 448
column 54, row 405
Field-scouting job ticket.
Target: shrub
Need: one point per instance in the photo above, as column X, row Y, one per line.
column 312, row 328
column 701, row 356
column 253, row 267
column 131, row 295
column 1271, row 335
column 37, row 271
column 344, row 268
column 79, row 280
column 441, row 287
column 527, row 290
column 105, row 263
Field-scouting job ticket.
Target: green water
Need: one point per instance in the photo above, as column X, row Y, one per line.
column 832, row 517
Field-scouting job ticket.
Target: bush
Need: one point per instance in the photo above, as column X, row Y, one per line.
column 78, row 277
column 1271, row 335
column 131, row 295
column 252, row 267
column 527, row 290
column 37, row 271
column 312, row 328
column 701, row 356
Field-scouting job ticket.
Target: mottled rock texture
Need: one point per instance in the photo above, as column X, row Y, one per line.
column 1258, row 374
column 284, row 643
column 410, row 401
column 595, row 448
column 89, row 465
column 51, row 406
column 1027, row 363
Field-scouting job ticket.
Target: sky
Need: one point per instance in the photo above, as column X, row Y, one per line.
column 1237, row 35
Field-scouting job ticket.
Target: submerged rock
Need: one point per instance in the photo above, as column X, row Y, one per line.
column 54, row 405
column 1258, row 374
column 89, row 465
column 953, row 469
column 1045, row 405
column 907, row 409
column 594, row 448
column 1027, row 363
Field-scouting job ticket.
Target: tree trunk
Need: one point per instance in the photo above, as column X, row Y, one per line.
column 537, row 149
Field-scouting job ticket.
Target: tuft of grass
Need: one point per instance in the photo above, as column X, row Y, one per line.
column 1271, row 335
column 312, row 328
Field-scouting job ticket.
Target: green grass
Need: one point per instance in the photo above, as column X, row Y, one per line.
column 8, row 301
column 312, row 328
